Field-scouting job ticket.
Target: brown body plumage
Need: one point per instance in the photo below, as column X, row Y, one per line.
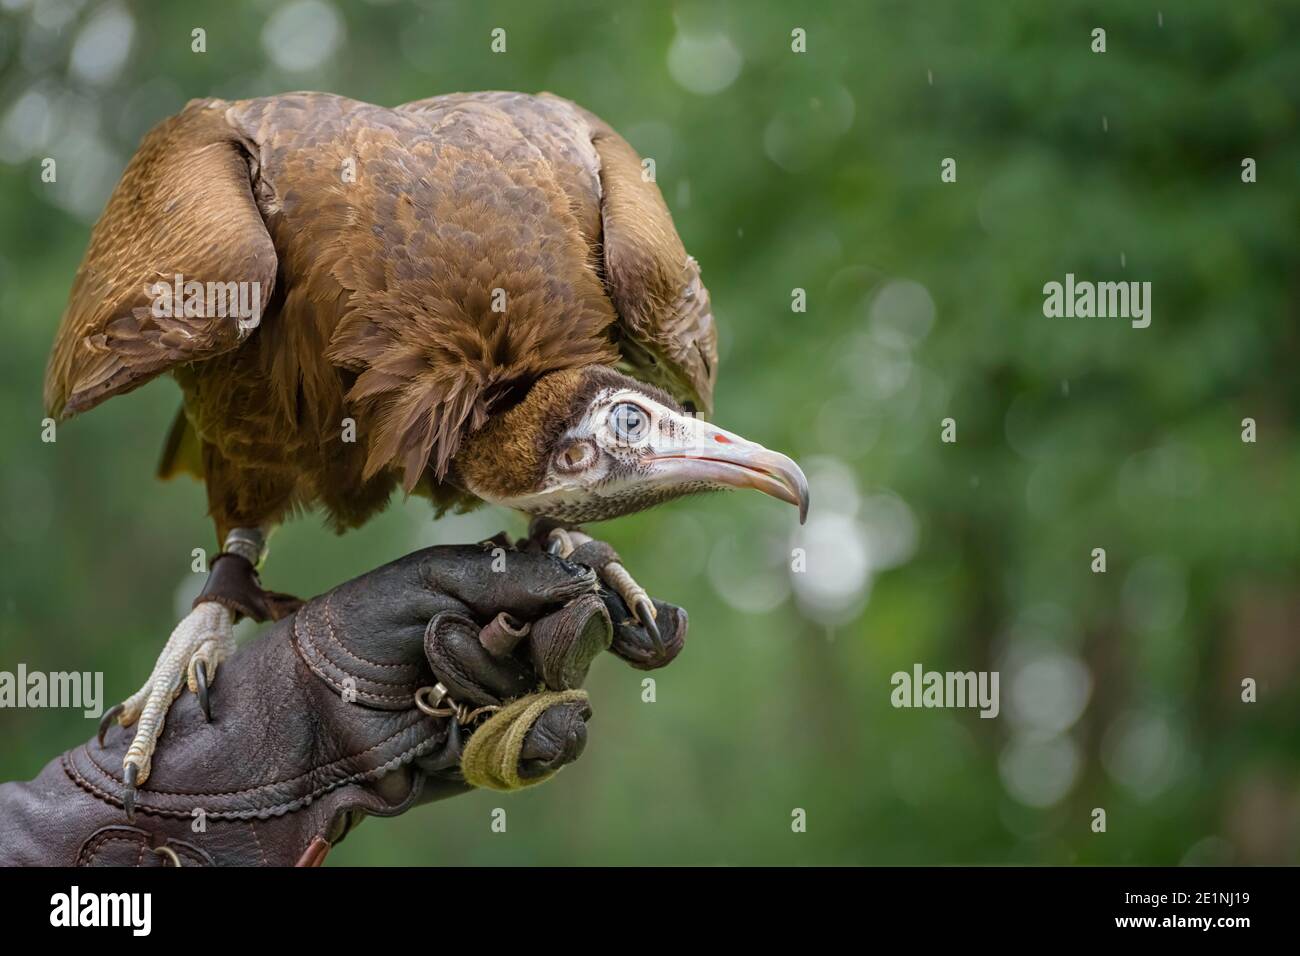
column 381, row 239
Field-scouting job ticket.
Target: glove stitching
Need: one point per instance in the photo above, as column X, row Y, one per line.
column 275, row 783
column 262, row 813
column 304, row 640
column 95, row 844
column 330, row 629
column 253, row 826
column 91, row 847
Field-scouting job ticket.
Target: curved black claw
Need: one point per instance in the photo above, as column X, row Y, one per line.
column 130, row 774
column 201, row 691
column 645, row 613
column 107, row 721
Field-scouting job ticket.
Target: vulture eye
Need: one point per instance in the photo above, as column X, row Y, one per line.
column 629, row 422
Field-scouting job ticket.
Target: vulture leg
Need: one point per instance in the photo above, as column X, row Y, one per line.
column 196, row 648
column 585, row 549
column 200, row 642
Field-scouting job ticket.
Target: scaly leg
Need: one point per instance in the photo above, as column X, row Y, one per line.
column 196, row 648
column 198, row 645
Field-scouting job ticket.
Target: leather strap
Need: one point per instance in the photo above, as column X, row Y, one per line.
column 233, row 583
column 315, row 853
column 121, row 845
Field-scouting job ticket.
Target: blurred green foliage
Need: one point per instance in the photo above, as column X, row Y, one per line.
column 817, row 171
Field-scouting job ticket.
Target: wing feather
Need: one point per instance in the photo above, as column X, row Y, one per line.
column 184, row 206
column 669, row 335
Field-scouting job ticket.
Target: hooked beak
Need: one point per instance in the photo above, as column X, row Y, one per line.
column 710, row 454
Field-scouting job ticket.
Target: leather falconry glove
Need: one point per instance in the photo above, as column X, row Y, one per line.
column 364, row 702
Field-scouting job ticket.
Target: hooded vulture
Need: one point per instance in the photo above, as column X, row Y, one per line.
column 478, row 297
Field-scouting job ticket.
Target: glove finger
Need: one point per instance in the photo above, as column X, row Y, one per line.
column 557, row 738
column 562, row 645
column 490, row 580
column 634, row 644
column 385, row 605
column 464, row 666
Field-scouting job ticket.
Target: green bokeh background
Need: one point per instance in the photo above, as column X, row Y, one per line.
column 817, row 171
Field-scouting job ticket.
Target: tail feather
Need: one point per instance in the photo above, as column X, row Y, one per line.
column 183, row 453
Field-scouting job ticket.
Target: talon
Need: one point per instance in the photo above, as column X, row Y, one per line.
column 645, row 614
column 201, row 690
column 107, row 721
column 130, row 773
column 561, row 542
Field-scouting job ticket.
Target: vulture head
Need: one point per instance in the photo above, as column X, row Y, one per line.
column 592, row 443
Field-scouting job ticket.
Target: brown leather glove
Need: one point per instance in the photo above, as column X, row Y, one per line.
column 317, row 723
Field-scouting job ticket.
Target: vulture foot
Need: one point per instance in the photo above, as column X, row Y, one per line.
column 583, row 548
column 195, row 649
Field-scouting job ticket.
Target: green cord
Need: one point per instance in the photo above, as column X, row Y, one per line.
column 491, row 758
